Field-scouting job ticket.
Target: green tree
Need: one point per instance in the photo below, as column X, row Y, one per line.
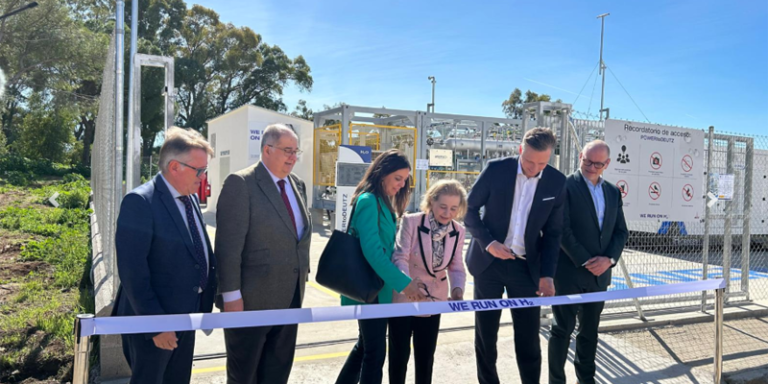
column 46, row 133
column 302, row 111
column 513, row 106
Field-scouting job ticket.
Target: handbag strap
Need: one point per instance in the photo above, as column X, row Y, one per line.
column 352, row 214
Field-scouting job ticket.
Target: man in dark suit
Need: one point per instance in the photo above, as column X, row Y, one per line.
column 164, row 259
column 515, row 247
column 594, row 233
column 262, row 245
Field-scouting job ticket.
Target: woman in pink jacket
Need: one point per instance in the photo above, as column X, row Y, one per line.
column 429, row 246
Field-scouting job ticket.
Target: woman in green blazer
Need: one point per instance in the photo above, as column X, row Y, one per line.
column 382, row 195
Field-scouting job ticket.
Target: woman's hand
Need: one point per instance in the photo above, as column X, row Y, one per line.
column 413, row 292
column 457, row 294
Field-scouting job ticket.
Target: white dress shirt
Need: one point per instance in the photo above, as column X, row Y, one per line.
column 183, row 210
column 525, row 188
column 236, row 295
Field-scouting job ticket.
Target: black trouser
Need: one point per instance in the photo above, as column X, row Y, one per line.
column 563, row 325
column 366, row 361
column 424, row 331
column 261, row 355
column 152, row 365
column 490, row 284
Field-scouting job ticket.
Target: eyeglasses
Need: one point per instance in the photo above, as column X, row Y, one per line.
column 588, row 163
column 288, row 151
column 200, row 171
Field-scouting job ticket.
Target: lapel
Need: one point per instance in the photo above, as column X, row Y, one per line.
column 586, row 195
column 202, row 222
column 173, row 210
column 302, row 207
column 510, row 197
column 268, row 187
column 610, row 204
column 387, row 217
column 425, row 244
column 541, row 186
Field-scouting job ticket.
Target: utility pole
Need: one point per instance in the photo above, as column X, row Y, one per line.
column 602, row 63
column 432, row 105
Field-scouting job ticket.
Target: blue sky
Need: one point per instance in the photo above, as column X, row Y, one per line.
column 686, row 63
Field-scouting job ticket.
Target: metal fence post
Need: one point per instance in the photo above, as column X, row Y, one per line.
column 727, row 225
column 631, row 285
column 746, row 235
column 705, row 244
column 82, row 352
column 718, row 358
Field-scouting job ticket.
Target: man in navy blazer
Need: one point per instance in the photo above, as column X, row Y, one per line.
column 594, row 234
column 515, row 246
column 165, row 260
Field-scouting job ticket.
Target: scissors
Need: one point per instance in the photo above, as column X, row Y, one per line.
column 429, row 295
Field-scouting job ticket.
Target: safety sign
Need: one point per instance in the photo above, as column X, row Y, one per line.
column 670, row 168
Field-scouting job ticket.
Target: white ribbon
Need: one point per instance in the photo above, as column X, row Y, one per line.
column 194, row 321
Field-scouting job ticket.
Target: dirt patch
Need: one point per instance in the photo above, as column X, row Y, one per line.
column 14, row 197
column 49, row 359
column 7, row 290
column 10, row 249
column 21, row 269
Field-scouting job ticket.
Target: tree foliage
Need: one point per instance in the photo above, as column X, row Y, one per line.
column 57, row 51
column 513, row 106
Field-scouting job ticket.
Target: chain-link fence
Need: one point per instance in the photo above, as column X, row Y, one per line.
column 728, row 240
column 103, row 169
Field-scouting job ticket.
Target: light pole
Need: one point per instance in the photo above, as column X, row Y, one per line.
column 432, row 105
column 22, row 9
column 602, row 64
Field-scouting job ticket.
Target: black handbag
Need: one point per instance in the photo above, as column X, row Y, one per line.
column 343, row 268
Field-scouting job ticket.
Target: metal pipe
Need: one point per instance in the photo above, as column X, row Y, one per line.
column 131, row 167
column 602, row 64
column 718, row 358
column 81, row 368
column 631, row 285
column 705, row 245
column 432, row 105
column 727, row 225
column 746, row 235
column 119, row 87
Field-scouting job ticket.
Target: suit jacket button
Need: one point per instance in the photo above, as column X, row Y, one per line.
column 197, row 266
column 196, row 289
column 295, row 270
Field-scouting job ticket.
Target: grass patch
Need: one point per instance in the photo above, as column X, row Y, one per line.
column 48, row 262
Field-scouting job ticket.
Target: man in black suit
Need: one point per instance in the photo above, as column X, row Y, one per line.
column 515, row 247
column 594, row 233
column 164, row 259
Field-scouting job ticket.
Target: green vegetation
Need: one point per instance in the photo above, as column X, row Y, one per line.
column 44, row 267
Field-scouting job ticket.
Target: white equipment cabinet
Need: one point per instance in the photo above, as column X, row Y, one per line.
column 236, row 140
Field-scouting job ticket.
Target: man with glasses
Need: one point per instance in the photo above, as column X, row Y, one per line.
column 594, row 233
column 262, row 246
column 164, row 259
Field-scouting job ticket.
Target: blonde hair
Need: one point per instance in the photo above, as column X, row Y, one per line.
column 178, row 142
column 445, row 187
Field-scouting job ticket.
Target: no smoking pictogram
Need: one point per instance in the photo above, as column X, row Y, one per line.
column 687, row 192
column 686, row 163
column 623, row 187
column 656, row 160
column 654, row 191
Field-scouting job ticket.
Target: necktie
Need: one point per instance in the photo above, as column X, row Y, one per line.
column 197, row 241
column 281, row 184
